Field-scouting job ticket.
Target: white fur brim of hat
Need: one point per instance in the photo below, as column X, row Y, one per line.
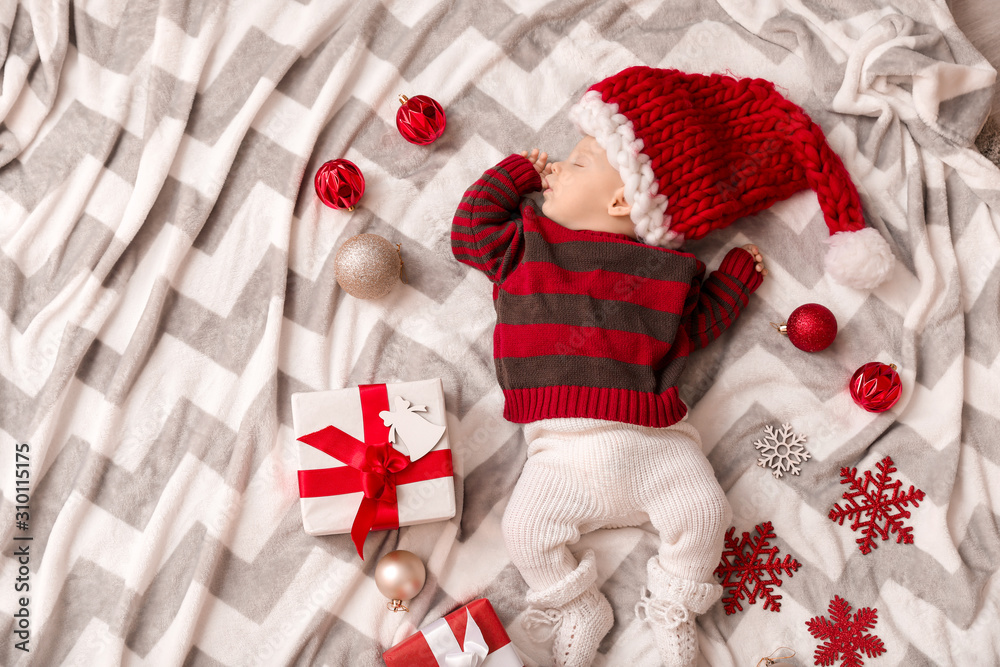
column 613, row 131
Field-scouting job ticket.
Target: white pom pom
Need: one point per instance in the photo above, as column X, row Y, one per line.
column 860, row 259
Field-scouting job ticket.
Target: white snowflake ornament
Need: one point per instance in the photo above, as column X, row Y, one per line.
column 781, row 450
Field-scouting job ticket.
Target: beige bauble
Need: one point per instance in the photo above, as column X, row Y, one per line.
column 367, row 266
column 399, row 576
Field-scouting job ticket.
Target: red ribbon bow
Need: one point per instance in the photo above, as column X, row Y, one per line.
column 378, row 470
column 373, row 467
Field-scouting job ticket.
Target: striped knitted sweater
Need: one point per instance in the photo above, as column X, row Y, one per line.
column 589, row 323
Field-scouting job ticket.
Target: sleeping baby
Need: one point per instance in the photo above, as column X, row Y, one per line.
column 596, row 314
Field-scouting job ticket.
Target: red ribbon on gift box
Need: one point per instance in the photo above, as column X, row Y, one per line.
column 448, row 641
column 373, row 467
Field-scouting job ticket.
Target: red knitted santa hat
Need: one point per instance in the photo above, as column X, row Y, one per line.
column 697, row 152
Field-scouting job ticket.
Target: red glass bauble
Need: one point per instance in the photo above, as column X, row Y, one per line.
column 420, row 120
column 876, row 386
column 340, row 184
column 810, row 327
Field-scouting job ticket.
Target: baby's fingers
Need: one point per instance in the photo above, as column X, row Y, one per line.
column 754, row 251
column 536, row 158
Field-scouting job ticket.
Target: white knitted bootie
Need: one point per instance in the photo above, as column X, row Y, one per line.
column 573, row 613
column 673, row 630
column 670, row 607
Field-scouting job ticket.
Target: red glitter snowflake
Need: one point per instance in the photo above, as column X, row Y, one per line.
column 881, row 507
column 752, row 561
column 845, row 635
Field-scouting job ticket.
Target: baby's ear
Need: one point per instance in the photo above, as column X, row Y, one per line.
column 618, row 207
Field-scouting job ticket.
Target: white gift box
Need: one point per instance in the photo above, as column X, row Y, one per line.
column 418, row 433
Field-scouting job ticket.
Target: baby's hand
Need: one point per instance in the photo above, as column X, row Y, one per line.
column 539, row 161
column 757, row 257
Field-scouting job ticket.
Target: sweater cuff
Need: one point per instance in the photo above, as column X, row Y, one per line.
column 523, row 173
column 740, row 264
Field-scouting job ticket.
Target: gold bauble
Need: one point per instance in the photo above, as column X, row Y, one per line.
column 367, row 266
column 399, row 576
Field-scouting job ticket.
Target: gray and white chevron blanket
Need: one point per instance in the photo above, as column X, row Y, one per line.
column 166, row 283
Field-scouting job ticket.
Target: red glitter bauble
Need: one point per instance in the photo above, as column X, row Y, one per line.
column 339, row 184
column 420, row 120
column 876, row 386
column 810, row 327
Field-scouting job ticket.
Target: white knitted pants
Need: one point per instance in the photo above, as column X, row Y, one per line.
column 582, row 474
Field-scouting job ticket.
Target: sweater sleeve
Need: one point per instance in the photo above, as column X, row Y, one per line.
column 486, row 230
column 714, row 304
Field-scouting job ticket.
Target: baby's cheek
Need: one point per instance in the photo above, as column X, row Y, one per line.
column 551, row 211
column 547, row 207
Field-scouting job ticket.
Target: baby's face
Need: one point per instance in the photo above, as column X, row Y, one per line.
column 581, row 188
